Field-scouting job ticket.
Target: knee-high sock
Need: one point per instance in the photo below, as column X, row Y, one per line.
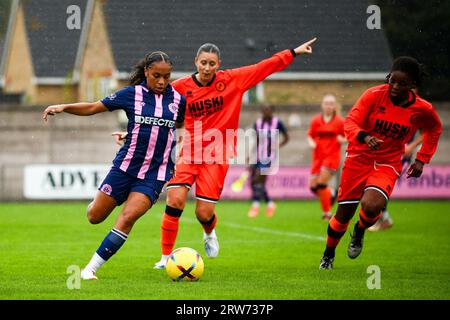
column 169, row 229
column 109, row 246
column 335, row 232
column 365, row 222
column 257, row 191
column 324, row 194
column 267, row 199
column 112, row 242
column 209, row 225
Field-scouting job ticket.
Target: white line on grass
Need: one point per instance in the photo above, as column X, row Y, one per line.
column 265, row 230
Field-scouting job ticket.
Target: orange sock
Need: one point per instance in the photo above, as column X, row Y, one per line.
column 365, row 222
column 325, row 198
column 335, row 231
column 169, row 231
column 209, row 226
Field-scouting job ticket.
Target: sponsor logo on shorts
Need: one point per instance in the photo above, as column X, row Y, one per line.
column 107, row 189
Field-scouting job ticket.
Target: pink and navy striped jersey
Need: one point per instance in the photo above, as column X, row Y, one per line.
column 147, row 152
column 267, row 135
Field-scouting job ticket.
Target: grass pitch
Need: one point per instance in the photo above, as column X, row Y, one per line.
column 260, row 259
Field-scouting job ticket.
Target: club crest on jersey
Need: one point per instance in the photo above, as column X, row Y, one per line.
column 220, row 86
column 415, row 119
column 173, row 107
column 112, row 96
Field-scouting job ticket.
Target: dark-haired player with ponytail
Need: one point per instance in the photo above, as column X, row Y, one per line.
column 377, row 128
column 144, row 163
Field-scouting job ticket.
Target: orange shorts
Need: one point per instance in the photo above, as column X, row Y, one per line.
column 330, row 163
column 360, row 174
column 208, row 178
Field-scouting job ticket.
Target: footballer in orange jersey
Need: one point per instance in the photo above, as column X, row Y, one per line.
column 377, row 128
column 213, row 103
column 325, row 136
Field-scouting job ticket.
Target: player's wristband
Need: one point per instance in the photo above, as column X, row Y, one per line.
column 361, row 136
column 293, row 53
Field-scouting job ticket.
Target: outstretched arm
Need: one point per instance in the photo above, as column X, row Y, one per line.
column 79, row 109
column 251, row 75
column 305, row 48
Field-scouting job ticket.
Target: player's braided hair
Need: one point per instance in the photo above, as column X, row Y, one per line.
column 410, row 66
column 138, row 74
column 210, row 48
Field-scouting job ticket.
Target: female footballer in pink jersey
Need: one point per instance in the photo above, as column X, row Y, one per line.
column 377, row 128
column 143, row 165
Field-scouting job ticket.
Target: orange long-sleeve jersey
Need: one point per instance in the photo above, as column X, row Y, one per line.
column 325, row 135
column 212, row 111
column 375, row 114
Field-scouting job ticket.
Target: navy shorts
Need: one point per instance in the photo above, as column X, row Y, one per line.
column 119, row 184
column 261, row 165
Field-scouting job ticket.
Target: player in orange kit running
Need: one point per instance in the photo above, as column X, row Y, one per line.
column 325, row 136
column 377, row 128
column 214, row 101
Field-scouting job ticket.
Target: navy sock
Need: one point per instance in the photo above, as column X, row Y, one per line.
column 112, row 242
column 266, row 196
column 257, row 192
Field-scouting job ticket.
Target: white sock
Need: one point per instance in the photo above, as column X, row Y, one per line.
column 212, row 234
column 165, row 257
column 333, row 192
column 255, row 204
column 95, row 263
column 271, row 203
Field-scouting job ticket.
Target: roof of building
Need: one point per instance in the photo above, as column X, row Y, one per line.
column 248, row 31
column 245, row 31
column 53, row 45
